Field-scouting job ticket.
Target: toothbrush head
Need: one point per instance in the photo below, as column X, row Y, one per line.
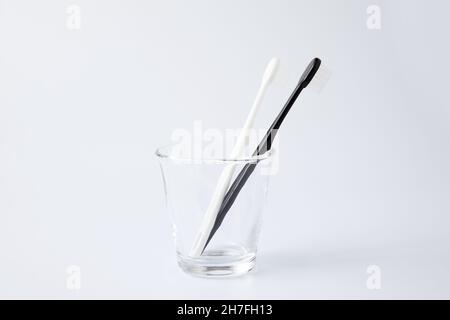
column 271, row 70
column 310, row 72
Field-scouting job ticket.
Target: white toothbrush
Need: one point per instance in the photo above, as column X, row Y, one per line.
column 227, row 173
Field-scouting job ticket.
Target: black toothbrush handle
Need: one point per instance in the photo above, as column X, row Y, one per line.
column 264, row 146
column 239, row 183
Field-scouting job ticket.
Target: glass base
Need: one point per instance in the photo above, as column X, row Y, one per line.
column 219, row 263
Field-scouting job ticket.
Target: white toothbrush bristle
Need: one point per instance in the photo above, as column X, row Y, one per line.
column 271, row 70
column 321, row 79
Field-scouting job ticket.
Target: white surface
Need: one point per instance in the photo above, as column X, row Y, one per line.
column 364, row 176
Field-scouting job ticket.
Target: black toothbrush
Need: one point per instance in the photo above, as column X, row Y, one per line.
column 264, row 146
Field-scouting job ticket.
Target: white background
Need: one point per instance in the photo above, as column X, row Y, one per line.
column 364, row 174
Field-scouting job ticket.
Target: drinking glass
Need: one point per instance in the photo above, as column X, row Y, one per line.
column 189, row 184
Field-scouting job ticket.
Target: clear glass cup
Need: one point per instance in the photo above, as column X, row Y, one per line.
column 189, row 185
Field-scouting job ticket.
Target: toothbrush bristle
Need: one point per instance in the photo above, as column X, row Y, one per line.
column 321, row 79
column 271, row 70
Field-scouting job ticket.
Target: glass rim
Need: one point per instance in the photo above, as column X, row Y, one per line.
column 161, row 154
